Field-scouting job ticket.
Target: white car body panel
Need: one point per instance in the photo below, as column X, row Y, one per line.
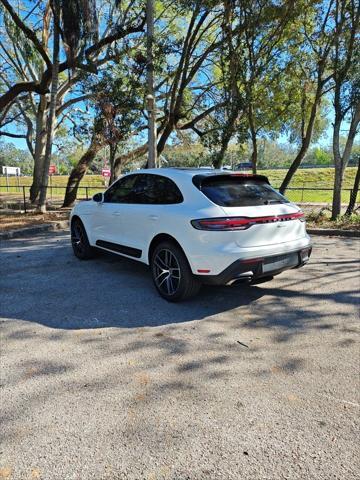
column 136, row 225
column 269, row 234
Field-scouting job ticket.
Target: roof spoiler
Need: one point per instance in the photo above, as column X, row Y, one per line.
column 198, row 179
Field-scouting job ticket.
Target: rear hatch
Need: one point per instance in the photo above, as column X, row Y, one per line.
column 259, row 214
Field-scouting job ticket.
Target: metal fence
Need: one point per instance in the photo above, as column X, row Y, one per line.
column 314, row 195
column 17, row 195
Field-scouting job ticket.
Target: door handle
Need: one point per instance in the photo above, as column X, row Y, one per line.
column 117, row 214
column 154, row 217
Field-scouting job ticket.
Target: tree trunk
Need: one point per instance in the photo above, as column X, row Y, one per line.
column 233, row 101
column 218, row 159
column 113, row 148
column 81, row 168
column 40, row 145
column 305, row 141
column 293, row 168
column 169, row 127
column 254, row 155
column 354, row 193
column 52, row 107
column 122, row 160
column 78, row 172
column 338, row 181
column 41, row 116
column 338, row 174
column 341, row 160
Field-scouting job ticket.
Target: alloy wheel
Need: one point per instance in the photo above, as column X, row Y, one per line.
column 167, row 272
column 77, row 237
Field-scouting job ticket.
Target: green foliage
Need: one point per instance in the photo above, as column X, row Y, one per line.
column 321, row 219
column 15, row 157
column 321, row 156
column 262, row 73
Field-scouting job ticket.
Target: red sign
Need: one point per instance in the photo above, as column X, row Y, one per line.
column 106, row 172
column 52, row 169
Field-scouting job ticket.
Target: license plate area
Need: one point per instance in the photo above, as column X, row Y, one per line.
column 280, row 261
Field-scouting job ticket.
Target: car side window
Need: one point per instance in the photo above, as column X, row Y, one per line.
column 121, row 191
column 156, row 190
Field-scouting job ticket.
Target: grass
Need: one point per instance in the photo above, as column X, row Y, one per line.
column 313, row 179
column 321, row 219
column 57, row 180
column 90, row 185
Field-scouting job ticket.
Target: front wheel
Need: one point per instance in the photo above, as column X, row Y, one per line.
column 171, row 273
column 80, row 242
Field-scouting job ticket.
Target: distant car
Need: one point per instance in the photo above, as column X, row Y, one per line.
column 194, row 227
column 244, row 166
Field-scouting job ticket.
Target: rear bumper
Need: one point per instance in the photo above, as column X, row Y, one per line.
column 256, row 268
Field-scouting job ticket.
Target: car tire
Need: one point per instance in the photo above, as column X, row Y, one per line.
column 80, row 242
column 171, row 273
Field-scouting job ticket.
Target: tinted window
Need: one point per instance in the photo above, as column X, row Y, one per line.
column 239, row 192
column 121, row 191
column 156, row 190
column 144, row 189
column 164, row 191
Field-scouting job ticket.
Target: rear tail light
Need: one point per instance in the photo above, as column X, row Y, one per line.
column 241, row 223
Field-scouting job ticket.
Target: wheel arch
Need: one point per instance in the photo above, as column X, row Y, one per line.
column 84, row 224
column 75, row 217
column 163, row 237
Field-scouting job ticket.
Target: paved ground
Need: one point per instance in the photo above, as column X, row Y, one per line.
column 102, row 379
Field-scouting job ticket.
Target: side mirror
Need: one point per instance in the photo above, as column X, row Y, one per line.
column 98, row 197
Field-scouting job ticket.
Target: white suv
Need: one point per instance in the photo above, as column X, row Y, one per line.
column 194, row 227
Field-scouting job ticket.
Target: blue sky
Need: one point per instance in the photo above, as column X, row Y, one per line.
column 325, row 141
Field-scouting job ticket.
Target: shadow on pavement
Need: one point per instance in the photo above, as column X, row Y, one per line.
column 42, row 282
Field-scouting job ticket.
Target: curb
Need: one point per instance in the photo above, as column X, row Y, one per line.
column 333, row 232
column 29, row 231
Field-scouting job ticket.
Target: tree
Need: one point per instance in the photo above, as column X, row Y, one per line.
column 52, row 107
column 354, row 191
column 15, row 157
column 313, row 64
column 263, row 76
column 117, row 112
column 86, row 51
column 346, row 78
column 187, row 99
column 232, row 105
column 130, row 21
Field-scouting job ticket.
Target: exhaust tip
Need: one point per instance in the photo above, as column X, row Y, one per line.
column 241, row 278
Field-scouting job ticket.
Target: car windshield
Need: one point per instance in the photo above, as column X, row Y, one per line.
column 235, row 191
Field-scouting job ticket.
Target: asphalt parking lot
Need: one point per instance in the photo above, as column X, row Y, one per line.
column 102, row 379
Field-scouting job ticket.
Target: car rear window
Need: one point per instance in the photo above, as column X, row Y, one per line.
column 233, row 191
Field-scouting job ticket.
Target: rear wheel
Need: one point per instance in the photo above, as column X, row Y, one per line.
column 171, row 273
column 80, row 242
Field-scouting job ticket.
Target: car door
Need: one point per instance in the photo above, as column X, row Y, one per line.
column 107, row 222
column 139, row 215
column 145, row 216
